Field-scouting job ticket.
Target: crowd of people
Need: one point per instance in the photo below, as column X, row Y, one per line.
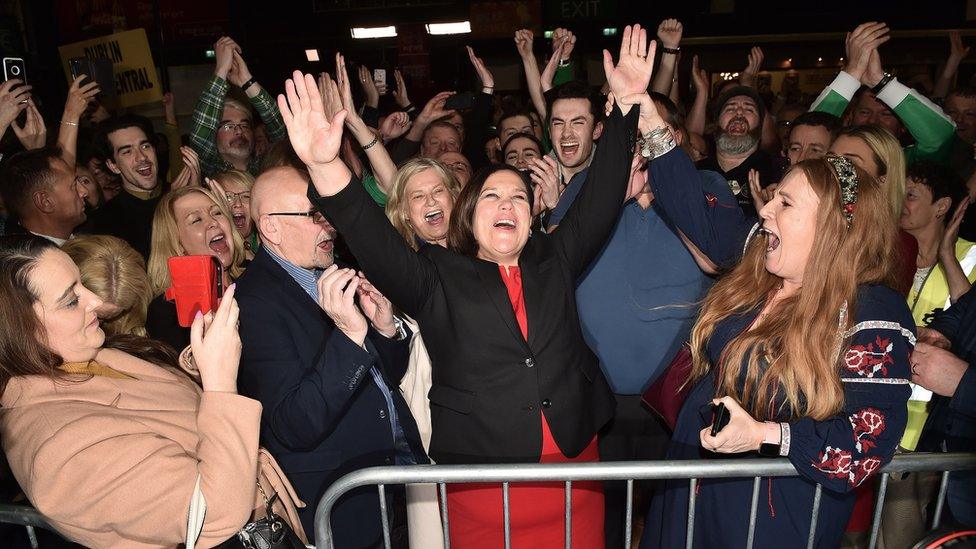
column 495, row 283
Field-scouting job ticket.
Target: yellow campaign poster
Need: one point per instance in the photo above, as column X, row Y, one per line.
column 136, row 81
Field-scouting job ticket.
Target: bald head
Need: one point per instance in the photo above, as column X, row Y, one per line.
column 295, row 238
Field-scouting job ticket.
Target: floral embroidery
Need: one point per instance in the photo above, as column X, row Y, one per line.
column 867, row 424
column 870, row 359
column 863, row 469
column 835, row 463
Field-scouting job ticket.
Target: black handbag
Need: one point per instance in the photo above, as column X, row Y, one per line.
column 270, row 532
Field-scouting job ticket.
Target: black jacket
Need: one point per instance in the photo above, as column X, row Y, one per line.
column 323, row 414
column 489, row 384
column 128, row 218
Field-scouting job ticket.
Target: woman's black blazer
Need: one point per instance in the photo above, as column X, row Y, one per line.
column 489, row 383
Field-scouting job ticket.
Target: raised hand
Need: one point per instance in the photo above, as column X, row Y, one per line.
column 376, row 307
column 337, row 291
column 957, row 51
column 545, row 174
column 33, row 133
column 947, row 246
column 649, row 118
column 563, row 42
column 224, row 52
column 369, row 87
column 759, row 198
column 191, row 167
column 240, row 74
column 400, row 93
column 395, row 125
column 487, row 79
column 523, row 42
column 169, row 108
column 669, row 33
column 216, row 188
column 434, row 109
column 633, row 70
column 315, row 138
column 332, row 97
column 13, row 100
column 78, row 98
column 753, row 64
column 860, row 43
column 699, row 78
column 216, row 345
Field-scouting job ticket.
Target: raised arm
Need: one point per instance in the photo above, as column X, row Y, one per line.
column 698, row 114
column 78, row 98
column 957, row 52
column 858, row 46
column 588, row 223
column 716, row 228
column 669, row 33
column 523, row 43
column 392, row 266
column 379, row 158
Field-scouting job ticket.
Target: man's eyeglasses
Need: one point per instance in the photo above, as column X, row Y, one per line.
column 316, row 216
column 243, row 196
column 230, row 126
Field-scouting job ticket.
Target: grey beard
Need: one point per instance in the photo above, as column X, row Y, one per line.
column 735, row 144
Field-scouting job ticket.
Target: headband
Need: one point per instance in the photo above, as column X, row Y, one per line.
column 847, row 176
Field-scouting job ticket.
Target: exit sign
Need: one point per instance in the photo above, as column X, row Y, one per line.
column 581, row 9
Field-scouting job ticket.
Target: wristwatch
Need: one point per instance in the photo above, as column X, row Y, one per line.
column 773, row 440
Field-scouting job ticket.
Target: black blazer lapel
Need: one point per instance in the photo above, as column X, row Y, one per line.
column 289, row 290
column 534, row 269
column 492, row 281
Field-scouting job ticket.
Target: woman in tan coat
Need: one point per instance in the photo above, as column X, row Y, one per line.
column 108, row 439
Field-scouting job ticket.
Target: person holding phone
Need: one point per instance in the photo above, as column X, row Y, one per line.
column 817, row 269
column 188, row 221
column 110, row 440
column 513, row 380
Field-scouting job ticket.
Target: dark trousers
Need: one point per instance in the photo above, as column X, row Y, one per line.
column 634, row 434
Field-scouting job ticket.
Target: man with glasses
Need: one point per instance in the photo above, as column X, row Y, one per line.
column 223, row 128
column 325, row 369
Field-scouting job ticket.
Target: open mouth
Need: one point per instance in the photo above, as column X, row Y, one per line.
column 434, row 217
column 239, row 220
column 737, row 126
column 219, row 244
column 773, row 240
column 507, row 224
column 145, row 170
column 569, row 148
column 326, row 245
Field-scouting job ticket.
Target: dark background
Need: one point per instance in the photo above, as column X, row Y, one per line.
column 275, row 33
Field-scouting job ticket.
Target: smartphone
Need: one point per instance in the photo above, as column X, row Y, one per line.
column 98, row 69
column 14, row 67
column 459, row 101
column 197, row 285
column 720, row 418
column 379, row 76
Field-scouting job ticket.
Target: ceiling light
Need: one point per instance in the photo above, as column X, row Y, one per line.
column 460, row 27
column 312, row 55
column 374, row 32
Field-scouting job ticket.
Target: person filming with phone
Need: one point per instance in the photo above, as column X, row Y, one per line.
column 112, row 442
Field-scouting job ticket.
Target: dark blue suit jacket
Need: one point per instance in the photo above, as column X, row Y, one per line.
column 323, row 414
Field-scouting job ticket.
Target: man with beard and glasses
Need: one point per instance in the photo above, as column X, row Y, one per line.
column 223, row 128
column 325, row 369
column 739, row 116
column 125, row 142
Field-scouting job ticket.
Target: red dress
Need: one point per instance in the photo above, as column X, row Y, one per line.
column 536, row 510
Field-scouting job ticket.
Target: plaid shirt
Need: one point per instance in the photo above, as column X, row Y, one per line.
column 207, row 115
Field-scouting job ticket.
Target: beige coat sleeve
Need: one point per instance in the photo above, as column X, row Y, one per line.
column 138, row 483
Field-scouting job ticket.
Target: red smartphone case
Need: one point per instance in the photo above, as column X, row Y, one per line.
column 197, row 285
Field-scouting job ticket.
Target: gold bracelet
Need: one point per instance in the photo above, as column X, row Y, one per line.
column 66, row 123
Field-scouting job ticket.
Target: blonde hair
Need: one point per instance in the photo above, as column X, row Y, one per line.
column 890, row 158
column 166, row 239
column 800, row 338
column 396, row 201
column 242, row 178
column 116, row 273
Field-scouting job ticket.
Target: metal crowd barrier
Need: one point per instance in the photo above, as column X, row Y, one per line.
column 442, row 475
column 25, row 516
